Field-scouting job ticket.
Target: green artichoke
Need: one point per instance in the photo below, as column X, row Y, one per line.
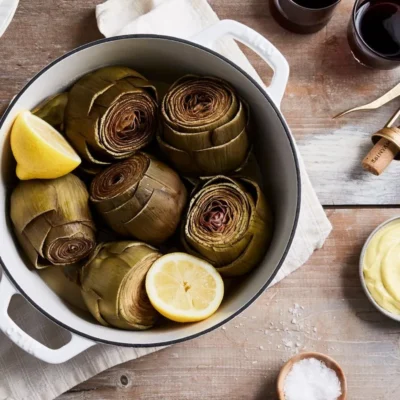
column 52, row 110
column 229, row 224
column 140, row 197
column 111, row 113
column 57, row 280
column 113, row 285
column 52, row 220
column 204, row 127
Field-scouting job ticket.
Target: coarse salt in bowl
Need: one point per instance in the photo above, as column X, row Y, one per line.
column 311, row 376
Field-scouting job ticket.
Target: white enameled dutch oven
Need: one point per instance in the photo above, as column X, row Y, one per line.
column 164, row 58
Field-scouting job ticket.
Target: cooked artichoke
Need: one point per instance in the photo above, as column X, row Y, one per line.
column 52, row 220
column 113, row 285
column 52, row 110
column 140, row 197
column 204, row 127
column 111, row 113
column 229, row 224
column 58, row 281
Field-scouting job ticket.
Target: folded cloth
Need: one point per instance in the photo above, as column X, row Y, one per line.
column 26, row 378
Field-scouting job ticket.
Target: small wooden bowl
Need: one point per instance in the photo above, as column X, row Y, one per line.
column 329, row 362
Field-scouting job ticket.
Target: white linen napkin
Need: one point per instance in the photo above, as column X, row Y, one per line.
column 23, row 377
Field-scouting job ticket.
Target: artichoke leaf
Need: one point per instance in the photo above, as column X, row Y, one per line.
column 33, row 256
column 152, row 222
column 59, row 283
column 24, row 210
column 204, row 127
column 183, row 161
column 206, row 139
column 72, row 201
column 92, row 85
column 111, row 113
column 140, row 197
column 52, row 220
column 229, row 223
column 52, row 110
column 61, row 238
column 112, row 284
column 223, row 158
column 92, row 301
column 221, row 104
column 37, row 231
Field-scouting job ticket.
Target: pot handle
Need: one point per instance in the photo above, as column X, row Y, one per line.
column 258, row 43
column 76, row 345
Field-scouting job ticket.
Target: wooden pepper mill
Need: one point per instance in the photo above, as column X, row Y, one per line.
column 386, row 147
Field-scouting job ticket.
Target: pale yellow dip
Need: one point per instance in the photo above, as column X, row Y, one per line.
column 381, row 266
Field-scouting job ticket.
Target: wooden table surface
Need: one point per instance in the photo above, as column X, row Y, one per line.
column 242, row 359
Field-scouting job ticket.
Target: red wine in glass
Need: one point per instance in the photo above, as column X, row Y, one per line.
column 315, row 4
column 378, row 23
column 375, row 39
column 303, row 16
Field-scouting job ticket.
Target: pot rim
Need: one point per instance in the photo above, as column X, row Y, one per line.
column 296, row 161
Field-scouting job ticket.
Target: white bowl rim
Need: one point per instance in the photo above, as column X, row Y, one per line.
column 361, row 271
column 298, row 181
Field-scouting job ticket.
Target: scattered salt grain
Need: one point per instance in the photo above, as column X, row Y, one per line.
column 310, row 379
column 261, row 347
column 315, row 329
column 254, row 362
column 224, row 327
column 294, row 321
column 288, row 343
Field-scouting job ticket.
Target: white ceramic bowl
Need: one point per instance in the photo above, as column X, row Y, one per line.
column 7, row 11
column 162, row 58
column 362, row 278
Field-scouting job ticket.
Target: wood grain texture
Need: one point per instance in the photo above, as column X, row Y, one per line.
column 325, row 79
column 242, row 360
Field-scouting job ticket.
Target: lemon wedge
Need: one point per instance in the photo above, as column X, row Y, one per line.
column 41, row 152
column 184, row 288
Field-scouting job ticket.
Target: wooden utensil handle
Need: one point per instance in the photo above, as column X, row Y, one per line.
column 380, row 156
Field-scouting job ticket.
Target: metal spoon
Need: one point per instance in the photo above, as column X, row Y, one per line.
column 389, row 96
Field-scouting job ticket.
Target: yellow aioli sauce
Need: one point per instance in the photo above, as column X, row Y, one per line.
column 381, row 267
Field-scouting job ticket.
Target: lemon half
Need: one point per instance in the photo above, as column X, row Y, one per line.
column 184, row 288
column 40, row 150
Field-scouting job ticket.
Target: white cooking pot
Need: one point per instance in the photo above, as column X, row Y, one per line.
column 165, row 58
